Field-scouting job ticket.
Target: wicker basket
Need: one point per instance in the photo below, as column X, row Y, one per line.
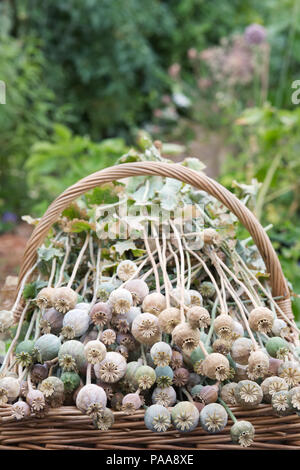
column 67, row 428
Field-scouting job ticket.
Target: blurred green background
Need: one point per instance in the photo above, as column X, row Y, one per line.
column 85, row 77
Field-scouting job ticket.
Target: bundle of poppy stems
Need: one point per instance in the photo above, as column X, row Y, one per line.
column 184, row 333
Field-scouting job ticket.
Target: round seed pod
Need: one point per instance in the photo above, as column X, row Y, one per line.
column 122, row 350
column 9, row 389
column 94, row 351
column 176, row 359
column 228, row 393
column 294, row 398
column 280, row 328
column 108, row 337
column 131, row 403
column 75, row 323
column 145, row 329
column 237, row 329
column 48, row 346
column 181, row 377
column 6, row 320
column 196, row 297
column 261, row 319
column 198, row 317
column 211, row 236
column 157, row 418
column 71, row 356
column 290, row 372
column 154, row 303
column 128, row 341
column 258, row 365
column 36, row 400
column 64, row 299
column 213, row 418
column 222, row 346
column 51, row 321
column 132, row 313
column 281, row 403
column 131, row 369
column 145, row 377
column 71, row 381
column 121, row 324
column 126, row 269
column 185, row 337
column 20, row 410
column 105, row 289
column 161, row 353
column 242, row 433
column 241, row 349
column 53, row 390
column 185, row 416
column 45, row 297
column 207, row 289
column 272, row 385
column 112, row 368
column 83, row 306
column 91, row 400
column 168, row 319
column 274, row 365
column 121, row 301
column 100, row 314
column 207, row 394
column 175, row 297
column 138, row 289
column 105, row 421
column 164, row 376
column 216, row 367
column 39, row 372
column 277, row 347
column 248, row 394
column 223, row 326
column 25, row 352
column 164, row 396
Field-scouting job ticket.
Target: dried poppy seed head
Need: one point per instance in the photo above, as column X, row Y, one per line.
column 112, row 368
column 206, row 394
column 45, row 297
column 75, row 323
column 294, row 398
column 248, row 394
column 290, row 372
column 138, row 289
column 127, row 340
column 121, row 301
column 277, row 347
column 222, row 346
column 64, row 299
column 198, row 317
column 52, row 321
column 154, row 303
column 36, row 400
column 175, row 297
column 10, row 389
column 71, row 381
column 131, row 403
column 157, row 418
column 164, row 396
column 196, row 297
column 261, row 319
column 164, row 376
column 280, row 328
column 227, row 393
column 237, row 330
column 168, row 319
column 258, row 365
column 39, row 372
column 242, row 433
column 122, row 350
column 161, row 353
column 181, row 377
column 185, row 416
column 126, row 270
column 281, row 403
column 176, row 360
column 53, row 390
column 121, row 324
column 145, row 377
column 213, row 418
column 91, row 400
column 185, row 337
column 145, row 329
column 108, row 337
column 223, row 326
column 207, row 289
column 20, row 410
column 272, row 385
column 216, row 366
column 94, row 351
column 104, row 421
column 100, row 314
column 6, row 320
column 241, row 349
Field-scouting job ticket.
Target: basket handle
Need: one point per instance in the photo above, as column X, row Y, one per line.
column 184, row 174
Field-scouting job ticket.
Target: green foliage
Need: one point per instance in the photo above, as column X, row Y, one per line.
column 60, row 162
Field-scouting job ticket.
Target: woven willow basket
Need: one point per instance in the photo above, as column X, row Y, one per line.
column 67, row 428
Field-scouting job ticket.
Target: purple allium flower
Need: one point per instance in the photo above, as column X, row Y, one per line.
column 9, row 217
column 255, row 34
